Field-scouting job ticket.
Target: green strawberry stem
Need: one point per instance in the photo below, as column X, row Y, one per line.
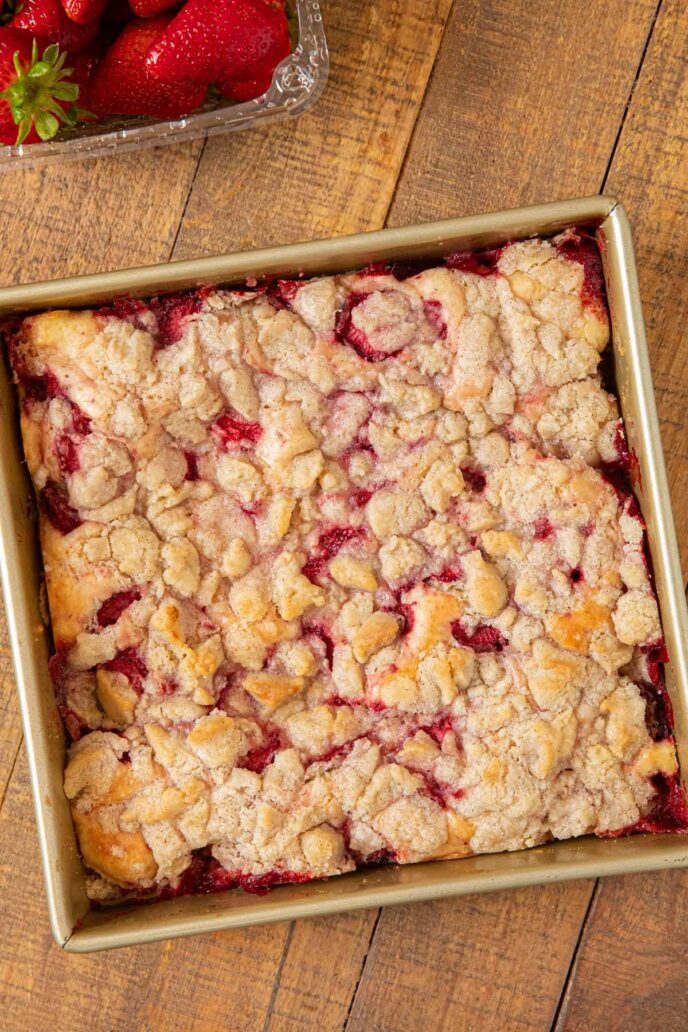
column 34, row 96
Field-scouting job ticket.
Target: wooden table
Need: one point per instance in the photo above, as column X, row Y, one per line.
column 432, row 110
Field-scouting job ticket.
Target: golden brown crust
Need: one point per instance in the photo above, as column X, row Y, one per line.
column 334, row 572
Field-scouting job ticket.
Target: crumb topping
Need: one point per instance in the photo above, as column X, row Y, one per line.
column 337, row 574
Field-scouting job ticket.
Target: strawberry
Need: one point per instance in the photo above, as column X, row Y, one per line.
column 47, row 20
column 84, row 66
column 35, row 96
column 242, row 88
column 220, row 41
column 123, row 84
column 83, row 11
column 149, row 8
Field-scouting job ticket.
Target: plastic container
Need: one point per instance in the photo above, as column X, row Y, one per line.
column 297, row 83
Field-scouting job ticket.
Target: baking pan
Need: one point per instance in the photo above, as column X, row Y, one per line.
column 79, row 929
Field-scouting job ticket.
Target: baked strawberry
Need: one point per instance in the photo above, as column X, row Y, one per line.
column 48, row 21
column 149, row 8
column 123, row 85
column 221, row 41
column 36, row 97
column 84, row 11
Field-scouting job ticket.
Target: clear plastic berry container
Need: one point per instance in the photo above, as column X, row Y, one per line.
column 297, row 83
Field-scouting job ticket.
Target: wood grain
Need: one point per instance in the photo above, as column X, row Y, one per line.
column 315, row 987
column 9, row 710
column 524, row 105
column 94, row 215
column 519, row 106
column 190, row 987
column 334, row 170
column 284, row 976
column 650, row 175
column 508, row 955
column 631, row 971
column 484, row 962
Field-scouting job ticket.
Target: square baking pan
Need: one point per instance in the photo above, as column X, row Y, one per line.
column 79, row 929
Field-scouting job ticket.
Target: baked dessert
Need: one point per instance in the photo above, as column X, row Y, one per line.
column 345, row 570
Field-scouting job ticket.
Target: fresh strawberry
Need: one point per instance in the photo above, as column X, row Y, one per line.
column 117, row 14
column 220, row 41
column 84, row 66
column 123, row 84
column 35, row 97
column 84, row 11
column 48, row 21
column 246, row 89
column 149, row 8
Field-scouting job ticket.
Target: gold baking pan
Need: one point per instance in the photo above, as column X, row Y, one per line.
column 78, row 929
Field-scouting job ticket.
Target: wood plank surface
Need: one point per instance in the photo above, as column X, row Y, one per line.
column 524, row 105
column 482, row 962
column 189, row 986
column 500, row 961
column 334, row 170
column 631, row 971
column 520, row 104
column 92, row 216
column 280, row 976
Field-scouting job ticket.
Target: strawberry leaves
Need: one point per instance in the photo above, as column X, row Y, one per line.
column 39, row 93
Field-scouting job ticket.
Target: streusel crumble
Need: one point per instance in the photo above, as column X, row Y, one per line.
column 345, row 570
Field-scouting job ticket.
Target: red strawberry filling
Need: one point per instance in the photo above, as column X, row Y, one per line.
column 328, row 544
column 335, row 751
column 658, row 710
column 439, row 729
column 111, row 610
column 360, row 497
column 448, row 574
column 434, row 315
column 67, row 454
column 483, row 263
column 230, row 431
column 128, row 309
column 668, row 813
column 331, row 541
column 576, row 575
column 437, row 790
column 65, row 446
column 58, row 671
column 40, row 388
column 325, row 637
column 404, row 610
column 129, row 663
column 191, row 466
column 543, row 528
column 475, row 478
column 260, row 757
column 656, row 655
column 581, row 247
column 205, row 875
column 172, row 311
column 483, row 638
column 280, row 293
column 347, row 332
column 55, row 504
